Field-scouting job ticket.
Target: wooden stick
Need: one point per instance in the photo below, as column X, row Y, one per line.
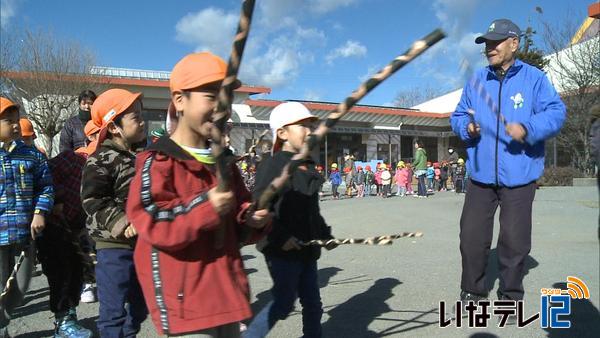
column 223, row 109
column 417, row 48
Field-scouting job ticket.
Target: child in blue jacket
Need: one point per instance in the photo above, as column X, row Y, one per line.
column 26, row 196
column 336, row 179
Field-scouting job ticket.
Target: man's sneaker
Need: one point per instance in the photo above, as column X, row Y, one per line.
column 465, row 297
column 87, row 295
column 69, row 328
column 512, row 319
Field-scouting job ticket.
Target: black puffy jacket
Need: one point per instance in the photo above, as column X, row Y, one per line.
column 296, row 209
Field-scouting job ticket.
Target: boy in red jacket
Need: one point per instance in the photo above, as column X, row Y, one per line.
column 190, row 286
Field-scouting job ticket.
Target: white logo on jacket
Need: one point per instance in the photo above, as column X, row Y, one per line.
column 518, row 100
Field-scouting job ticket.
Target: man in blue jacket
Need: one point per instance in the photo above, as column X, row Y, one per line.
column 505, row 113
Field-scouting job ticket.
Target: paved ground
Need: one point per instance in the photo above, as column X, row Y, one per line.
column 395, row 290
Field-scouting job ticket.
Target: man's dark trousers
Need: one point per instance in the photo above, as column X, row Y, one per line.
column 514, row 240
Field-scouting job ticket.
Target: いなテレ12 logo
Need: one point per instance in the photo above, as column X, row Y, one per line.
column 555, row 303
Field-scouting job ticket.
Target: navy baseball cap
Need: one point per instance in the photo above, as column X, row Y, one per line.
column 499, row 30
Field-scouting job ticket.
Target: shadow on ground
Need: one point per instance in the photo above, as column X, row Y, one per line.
column 264, row 297
column 584, row 317
column 353, row 317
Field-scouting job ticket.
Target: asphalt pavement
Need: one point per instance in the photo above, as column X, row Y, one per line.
column 395, row 290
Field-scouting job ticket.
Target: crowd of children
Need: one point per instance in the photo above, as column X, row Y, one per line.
column 384, row 178
column 155, row 215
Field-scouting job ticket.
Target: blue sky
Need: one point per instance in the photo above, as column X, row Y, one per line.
column 302, row 49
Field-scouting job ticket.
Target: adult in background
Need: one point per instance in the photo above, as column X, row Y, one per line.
column 72, row 136
column 452, row 160
column 505, row 160
column 350, row 171
column 420, row 167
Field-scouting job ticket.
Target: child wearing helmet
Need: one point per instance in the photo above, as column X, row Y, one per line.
column 437, row 181
column 401, row 178
column 430, row 176
column 360, row 182
column 369, row 180
column 297, row 219
column 336, row 179
column 105, row 184
column 386, row 180
column 179, row 213
column 26, row 197
column 378, row 179
column 459, row 176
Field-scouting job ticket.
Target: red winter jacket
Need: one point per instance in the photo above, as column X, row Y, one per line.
column 187, row 283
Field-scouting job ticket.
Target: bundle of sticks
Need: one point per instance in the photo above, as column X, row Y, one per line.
column 376, row 240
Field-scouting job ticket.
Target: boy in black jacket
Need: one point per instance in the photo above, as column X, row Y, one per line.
column 297, row 219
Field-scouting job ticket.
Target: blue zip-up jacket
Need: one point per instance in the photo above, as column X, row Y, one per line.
column 524, row 96
column 25, row 187
column 430, row 172
column 335, row 177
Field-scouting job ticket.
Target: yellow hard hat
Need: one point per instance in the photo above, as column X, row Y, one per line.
column 382, row 166
column 401, row 164
column 461, row 161
column 244, row 165
column 334, row 165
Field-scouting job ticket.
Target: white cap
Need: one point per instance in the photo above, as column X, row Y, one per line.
column 285, row 114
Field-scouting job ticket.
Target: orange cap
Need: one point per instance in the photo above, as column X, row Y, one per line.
column 87, row 150
column 111, row 104
column 26, row 127
column 90, row 128
column 5, row 104
column 196, row 70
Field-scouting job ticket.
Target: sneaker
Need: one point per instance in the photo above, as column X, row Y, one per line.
column 512, row 319
column 465, row 297
column 87, row 295
column 69, row 328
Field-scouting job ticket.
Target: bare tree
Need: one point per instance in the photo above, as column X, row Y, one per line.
column 46, row 74
column 574, row 68
column 416, row 95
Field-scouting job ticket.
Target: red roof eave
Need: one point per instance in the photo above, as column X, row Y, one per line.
column 165, row 83
column 143, row 82
column 358, row 109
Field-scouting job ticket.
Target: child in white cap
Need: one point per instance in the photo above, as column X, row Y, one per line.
column 297, row 219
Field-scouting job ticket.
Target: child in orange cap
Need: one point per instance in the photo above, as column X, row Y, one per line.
column 91, row 131
column 293, row 267
column 360, row 182
column 386, row 181
column 104, row 189
column 26, row 197
column 88, row 295
column 28, row 134
column 369, row 180
column 59, row 249
column 190, row 286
